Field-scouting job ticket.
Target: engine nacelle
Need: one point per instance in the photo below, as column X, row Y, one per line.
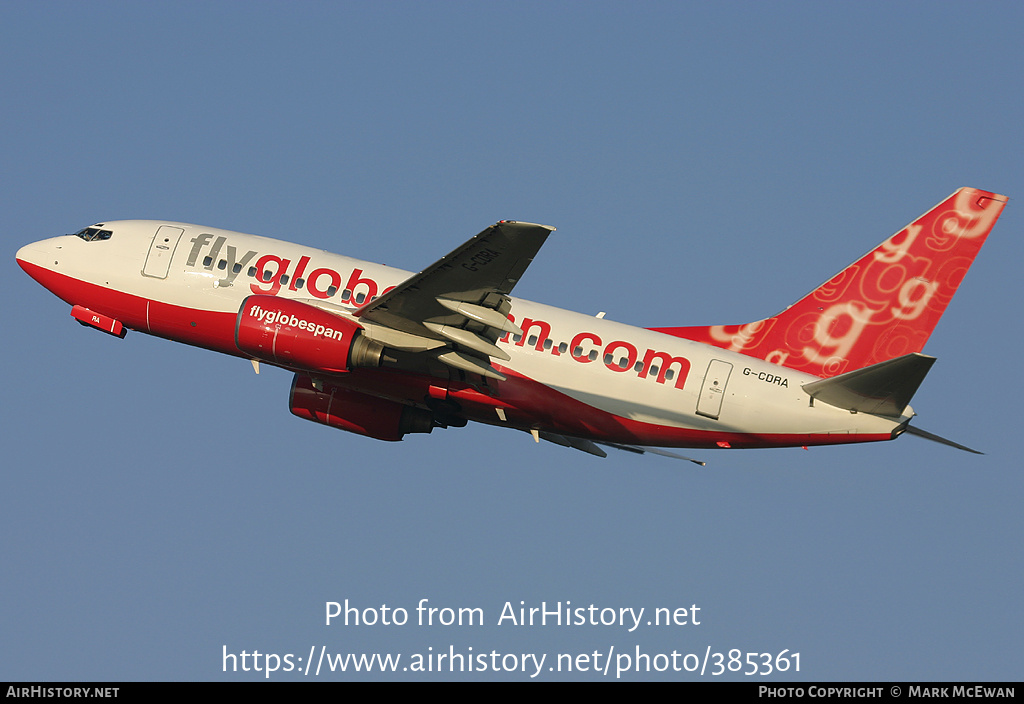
column 297, row 335
column 345, row 409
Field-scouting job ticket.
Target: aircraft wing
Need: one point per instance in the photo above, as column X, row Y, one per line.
column 458, row 305
column 591, row 447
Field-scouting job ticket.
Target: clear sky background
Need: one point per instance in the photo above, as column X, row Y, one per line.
column 704, row 163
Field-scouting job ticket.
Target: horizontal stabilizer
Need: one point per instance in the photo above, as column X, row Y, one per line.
column 883, row 389
column 936, row 438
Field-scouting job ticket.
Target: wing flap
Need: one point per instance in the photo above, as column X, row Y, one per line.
column 470, row 363
column 487, row 316
column 591, row 447
column 461, row 301
column 576, row 443
column 468, row 338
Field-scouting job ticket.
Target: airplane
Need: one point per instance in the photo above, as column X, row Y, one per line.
column 382, row 352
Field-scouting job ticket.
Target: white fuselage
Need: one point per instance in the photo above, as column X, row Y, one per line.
column 568, row 373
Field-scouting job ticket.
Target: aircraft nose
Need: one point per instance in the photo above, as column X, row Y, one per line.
column 37, row 258
column 29, row 254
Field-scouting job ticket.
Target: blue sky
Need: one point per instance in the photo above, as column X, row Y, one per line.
column 704, row 163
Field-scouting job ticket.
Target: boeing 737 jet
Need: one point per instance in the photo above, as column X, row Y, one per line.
column 382, row 352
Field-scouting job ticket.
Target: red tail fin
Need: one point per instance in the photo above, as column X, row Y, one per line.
column 884, row 305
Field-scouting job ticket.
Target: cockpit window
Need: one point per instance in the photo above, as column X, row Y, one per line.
column 92, row 234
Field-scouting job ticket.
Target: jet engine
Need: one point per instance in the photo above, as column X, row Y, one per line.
column 293, row 334
column 338, row 407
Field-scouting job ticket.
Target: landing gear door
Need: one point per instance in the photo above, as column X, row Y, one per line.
column 161, row 249
column 711, row 393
